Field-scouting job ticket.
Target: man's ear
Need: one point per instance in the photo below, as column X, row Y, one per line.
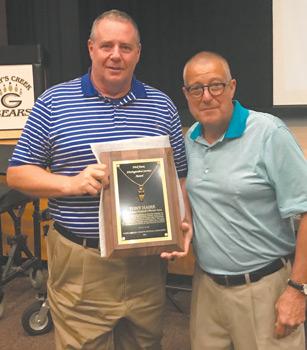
column 184, row 90
column 90, row 46
column 233, row 86
column 140, row 49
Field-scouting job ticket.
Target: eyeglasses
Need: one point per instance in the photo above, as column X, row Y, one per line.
column 215, row 89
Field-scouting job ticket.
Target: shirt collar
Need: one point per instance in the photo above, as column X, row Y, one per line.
column 236, row 127
column 137, row 88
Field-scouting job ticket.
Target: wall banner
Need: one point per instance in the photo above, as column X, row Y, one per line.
column 16, row 95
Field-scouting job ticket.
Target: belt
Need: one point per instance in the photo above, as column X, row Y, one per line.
column 236, row 280
column 85, row 242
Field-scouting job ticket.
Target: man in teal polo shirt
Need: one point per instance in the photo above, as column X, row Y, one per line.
column 247, row 178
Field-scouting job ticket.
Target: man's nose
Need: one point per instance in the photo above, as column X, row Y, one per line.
column 115, row 53
column 206, row 95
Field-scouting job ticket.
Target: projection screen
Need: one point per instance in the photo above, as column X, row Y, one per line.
column 289, row 52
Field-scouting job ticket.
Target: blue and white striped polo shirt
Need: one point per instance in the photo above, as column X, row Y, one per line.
column 70, row 116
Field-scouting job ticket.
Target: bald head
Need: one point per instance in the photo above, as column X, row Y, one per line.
column 205, row 58
column 209, row 90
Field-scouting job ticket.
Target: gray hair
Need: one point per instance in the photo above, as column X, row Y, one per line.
column 208, row 55
column 116, row 15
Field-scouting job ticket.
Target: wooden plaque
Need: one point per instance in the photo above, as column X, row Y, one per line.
column 141, row 206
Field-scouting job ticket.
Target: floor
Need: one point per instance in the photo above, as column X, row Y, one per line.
column 19, row 294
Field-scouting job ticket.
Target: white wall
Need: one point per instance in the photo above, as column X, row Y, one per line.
column 289, row 52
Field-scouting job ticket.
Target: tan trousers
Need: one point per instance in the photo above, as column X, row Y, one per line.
column 241, row 317
column 104, row 304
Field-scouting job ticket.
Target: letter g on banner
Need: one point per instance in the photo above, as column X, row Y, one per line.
column 11, row 100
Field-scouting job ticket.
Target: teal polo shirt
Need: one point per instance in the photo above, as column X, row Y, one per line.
column 244, row 190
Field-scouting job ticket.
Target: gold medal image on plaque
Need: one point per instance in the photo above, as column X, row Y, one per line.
column 141, row 207
column 139, row 173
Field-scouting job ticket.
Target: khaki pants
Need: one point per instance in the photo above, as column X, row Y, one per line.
column 241, row 317
column 104, row 304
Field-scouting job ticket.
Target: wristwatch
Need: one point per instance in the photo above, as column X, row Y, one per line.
column 302, row 287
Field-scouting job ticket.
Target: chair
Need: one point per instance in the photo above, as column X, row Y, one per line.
column 175, row 284
column 20, row 259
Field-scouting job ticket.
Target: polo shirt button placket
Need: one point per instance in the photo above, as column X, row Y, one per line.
column 206, row 155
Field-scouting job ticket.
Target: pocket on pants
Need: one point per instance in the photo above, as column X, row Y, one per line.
column 66, row 268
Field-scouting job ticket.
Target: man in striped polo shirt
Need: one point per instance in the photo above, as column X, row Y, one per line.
column 96, row 303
